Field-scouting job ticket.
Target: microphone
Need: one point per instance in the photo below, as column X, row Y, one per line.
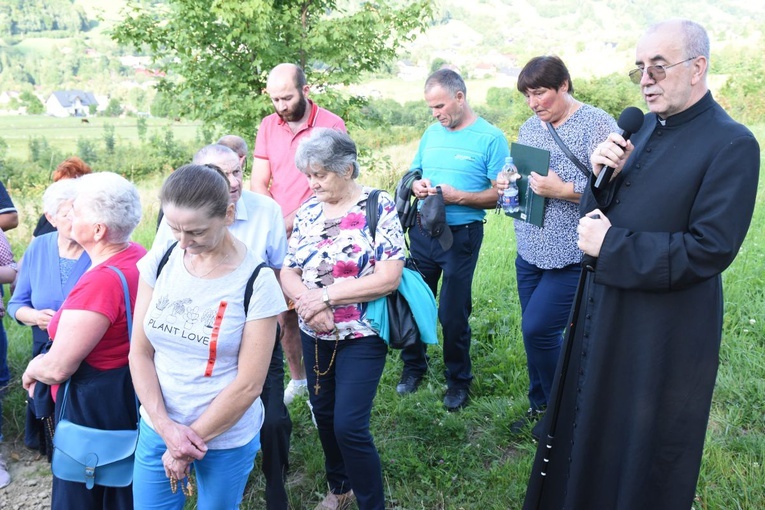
column 630, row 121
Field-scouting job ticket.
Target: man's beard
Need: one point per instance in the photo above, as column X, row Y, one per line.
column 297, row 113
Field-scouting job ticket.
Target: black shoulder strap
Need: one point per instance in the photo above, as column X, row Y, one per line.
column 164, row 258
column 248, row 288
column 570, row 155
column 372, row 212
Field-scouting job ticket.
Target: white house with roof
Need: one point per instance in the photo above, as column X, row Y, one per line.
column 69, row 103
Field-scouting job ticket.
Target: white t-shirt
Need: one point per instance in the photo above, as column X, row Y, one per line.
column 179, row 323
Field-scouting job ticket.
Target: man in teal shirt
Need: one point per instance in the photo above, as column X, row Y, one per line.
column 461, row 155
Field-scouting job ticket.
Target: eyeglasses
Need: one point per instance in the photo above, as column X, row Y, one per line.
column 656, row 73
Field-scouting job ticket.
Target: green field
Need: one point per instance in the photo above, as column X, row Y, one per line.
column 63, row 133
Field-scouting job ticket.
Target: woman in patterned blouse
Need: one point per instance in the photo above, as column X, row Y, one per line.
column 547, row 264
column 332, row 270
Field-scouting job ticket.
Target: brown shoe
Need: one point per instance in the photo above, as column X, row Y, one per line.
column 337, row 501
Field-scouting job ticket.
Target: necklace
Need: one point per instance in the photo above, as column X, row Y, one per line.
column 191, row 259
column 316, row 371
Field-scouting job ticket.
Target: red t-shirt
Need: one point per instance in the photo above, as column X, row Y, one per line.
column 100, row 290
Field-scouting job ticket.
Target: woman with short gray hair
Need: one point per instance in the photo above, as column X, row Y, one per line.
column 90, row 331
column 53, row 263
column 333, row 269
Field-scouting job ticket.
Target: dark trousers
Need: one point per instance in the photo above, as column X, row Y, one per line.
column 546, row 296
column 34, row 429
column 275, row 433
column 103, row 400
column 457, row 266
column 342, row 409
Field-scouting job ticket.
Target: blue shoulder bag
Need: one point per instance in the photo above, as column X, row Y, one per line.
column 94, row 456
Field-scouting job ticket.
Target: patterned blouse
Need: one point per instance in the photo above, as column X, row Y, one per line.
column 327, row 250
column 553, row 246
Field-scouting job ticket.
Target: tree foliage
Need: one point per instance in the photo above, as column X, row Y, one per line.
column 217, row 54
column 114, row 108
column 32, row 103
column 612, row 93
column 20, row 17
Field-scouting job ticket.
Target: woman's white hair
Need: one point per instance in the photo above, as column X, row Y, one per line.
column 108, row 198
column 327, row 149
column 58, row 193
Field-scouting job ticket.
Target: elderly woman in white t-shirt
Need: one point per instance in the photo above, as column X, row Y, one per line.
column 200, row 355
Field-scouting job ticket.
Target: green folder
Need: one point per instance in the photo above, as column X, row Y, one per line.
column 530, row 159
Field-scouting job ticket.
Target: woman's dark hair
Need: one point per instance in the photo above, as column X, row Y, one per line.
column 197, row 187
column 544, row 72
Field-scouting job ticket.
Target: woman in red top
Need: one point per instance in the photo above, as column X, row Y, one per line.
column 89, row 331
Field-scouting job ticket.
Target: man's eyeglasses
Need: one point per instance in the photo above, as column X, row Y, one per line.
column 656, row 73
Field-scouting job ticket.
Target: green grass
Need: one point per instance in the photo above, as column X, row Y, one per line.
column 436, row 460
column 63, row 133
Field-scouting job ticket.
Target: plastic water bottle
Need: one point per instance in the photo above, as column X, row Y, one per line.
column 510, row 200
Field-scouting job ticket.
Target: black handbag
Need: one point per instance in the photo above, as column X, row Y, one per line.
column 402, row 326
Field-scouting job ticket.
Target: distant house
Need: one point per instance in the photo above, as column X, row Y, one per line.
column 484, row 70
column 70, row 103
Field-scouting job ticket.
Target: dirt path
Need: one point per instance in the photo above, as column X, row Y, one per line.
column 31, row 479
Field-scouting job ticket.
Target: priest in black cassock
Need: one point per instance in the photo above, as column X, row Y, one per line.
column 629, row 419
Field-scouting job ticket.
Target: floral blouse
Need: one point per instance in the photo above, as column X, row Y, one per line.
column 327, row 250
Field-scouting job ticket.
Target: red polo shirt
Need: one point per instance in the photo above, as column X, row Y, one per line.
column 277, row 144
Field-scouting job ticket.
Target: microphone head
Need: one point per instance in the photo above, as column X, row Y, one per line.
column 631, row 120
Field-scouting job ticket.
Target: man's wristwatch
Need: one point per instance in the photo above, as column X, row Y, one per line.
column 325, row 296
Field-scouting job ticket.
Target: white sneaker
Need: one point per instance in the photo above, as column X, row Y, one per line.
column 295, row 388
column 5, row 478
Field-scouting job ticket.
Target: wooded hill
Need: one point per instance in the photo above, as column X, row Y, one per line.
column 47, row 45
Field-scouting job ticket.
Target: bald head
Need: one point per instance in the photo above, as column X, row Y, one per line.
column 692, row 37
column 285, row 74
column 235, row 143
column 287, row 88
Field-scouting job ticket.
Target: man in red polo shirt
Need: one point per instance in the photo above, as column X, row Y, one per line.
column 274, row 174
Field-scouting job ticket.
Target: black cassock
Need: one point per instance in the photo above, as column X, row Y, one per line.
column 644, row 350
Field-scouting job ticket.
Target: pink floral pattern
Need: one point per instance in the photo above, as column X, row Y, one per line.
column 327, row 250
column 346, row 314
column 345, row 269
column 353, row 220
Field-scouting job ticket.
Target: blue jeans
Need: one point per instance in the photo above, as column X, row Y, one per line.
column 221, row 475
column 546, row 296
column 455, row 303
column 342, row 410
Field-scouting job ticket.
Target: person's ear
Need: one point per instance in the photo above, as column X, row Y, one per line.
column 699, row 69
column 99, row 231
column 230, row 214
